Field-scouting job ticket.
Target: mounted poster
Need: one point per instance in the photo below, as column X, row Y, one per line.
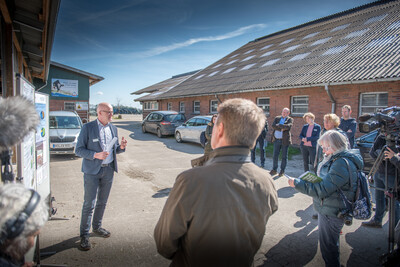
column 64, row 87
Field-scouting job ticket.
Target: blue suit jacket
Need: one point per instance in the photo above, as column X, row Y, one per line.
column 314, row 135
column 89, row 143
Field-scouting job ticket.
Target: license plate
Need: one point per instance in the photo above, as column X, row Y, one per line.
column 62, row 145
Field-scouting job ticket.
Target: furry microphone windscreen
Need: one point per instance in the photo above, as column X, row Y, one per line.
column 18, row 117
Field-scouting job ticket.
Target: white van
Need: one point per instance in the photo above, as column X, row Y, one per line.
column 65, row 127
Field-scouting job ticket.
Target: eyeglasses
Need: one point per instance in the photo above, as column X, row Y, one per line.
column 108, row 112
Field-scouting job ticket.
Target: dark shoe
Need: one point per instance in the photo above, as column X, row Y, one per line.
column 273, row 172
column 281, row 173
column 85, row 243
column 262, row 165
column 102, row 232
column 372, row 223
column 315, row 216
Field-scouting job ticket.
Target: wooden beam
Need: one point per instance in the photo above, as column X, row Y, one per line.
column 4, row 12
column 7, row 60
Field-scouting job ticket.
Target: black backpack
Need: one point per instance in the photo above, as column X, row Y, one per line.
column 361, row 207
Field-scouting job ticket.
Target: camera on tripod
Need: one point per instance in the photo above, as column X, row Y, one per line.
column 346, row 215
column 388, row 120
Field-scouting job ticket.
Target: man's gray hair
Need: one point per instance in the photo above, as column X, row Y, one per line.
column 242, row 120
column 13, row 200
column 336, row 140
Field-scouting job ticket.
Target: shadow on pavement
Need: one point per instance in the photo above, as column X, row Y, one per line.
column 72, row 243
column 63, row 157
column 286, row 192
column 162, row 193
column 303, row 244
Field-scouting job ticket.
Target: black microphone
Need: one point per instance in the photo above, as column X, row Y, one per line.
column 18, row 117
column 365, row 117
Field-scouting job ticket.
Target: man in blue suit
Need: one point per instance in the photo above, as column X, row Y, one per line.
column 98, row 146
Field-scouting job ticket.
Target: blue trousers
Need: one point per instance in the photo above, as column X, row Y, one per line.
column 380, row 197
column 277, row 148
column 329, row 228
column 308, row 153
column 97, row 189
column 260, row 142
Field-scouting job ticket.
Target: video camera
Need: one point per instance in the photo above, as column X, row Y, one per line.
column 388, row 120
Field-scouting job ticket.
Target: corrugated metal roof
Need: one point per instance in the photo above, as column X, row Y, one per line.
column 354, row 45
column 159, row 88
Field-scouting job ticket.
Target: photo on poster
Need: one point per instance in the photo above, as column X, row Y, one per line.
column 64, row 87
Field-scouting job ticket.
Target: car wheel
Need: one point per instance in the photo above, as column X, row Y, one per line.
column 178, row 137
column 143, row 129
column 159, row 134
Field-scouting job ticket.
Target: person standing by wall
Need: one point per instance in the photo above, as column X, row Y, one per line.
column 262, row 142
column 98, row 168
column 309, row 136
column 348, row 124
column 216, row 214
column 282, row 138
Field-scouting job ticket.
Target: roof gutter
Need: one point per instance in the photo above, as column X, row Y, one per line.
column 331, row 97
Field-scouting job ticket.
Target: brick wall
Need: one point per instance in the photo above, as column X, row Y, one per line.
column 319, row 101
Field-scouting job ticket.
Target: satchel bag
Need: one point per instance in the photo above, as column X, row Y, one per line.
column 361, row 208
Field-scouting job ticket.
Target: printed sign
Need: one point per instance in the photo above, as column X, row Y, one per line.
column 81, row 106
column 64, row 88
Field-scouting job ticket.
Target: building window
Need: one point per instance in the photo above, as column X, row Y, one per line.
column 182, row 107
column 70, row 106
column 196, row 107
column 169, row 106
column 150, row 105
column 299, row 105
column 263, row 102
column 371, row 102
column 213, row 106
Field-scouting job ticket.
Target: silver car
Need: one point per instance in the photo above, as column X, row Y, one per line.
column 190, row 131
column 65, row 127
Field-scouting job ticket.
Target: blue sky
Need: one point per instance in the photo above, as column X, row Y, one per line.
column 137, row 43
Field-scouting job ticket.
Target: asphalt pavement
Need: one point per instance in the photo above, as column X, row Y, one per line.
column 147, row 171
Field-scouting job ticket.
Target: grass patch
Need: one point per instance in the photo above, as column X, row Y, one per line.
column 269, row 151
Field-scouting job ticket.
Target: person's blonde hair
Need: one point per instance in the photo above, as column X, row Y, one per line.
column 336, row 140
column 333, row 118
column 348, row 107
column 310, row 115
column 242, row 120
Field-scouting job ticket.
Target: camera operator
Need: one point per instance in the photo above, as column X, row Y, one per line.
column 380, row 184
column 22, row 214
column 395, row 160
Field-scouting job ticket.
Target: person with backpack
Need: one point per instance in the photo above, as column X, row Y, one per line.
column 336, row 174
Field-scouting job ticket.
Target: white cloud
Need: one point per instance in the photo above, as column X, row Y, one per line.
column 163, row 49
column 99, row 93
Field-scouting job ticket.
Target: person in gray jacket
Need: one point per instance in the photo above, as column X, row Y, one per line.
column 216, row 214
column 99, row 152
column 335, row 174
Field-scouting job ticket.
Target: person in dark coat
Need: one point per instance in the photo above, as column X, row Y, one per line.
column 309, row 136
column 335, row 174
column 262, row 142
column 282, row 138
column 348, row 124
column 208, row 133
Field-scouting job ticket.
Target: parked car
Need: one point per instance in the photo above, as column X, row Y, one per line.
column 65, row 127
column 364, row 144
column 190, row 131
column 162, row 122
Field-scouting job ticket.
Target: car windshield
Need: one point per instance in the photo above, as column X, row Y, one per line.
column 174, row 117
column 64, row 122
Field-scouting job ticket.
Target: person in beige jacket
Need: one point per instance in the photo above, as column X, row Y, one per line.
column 216, row 214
